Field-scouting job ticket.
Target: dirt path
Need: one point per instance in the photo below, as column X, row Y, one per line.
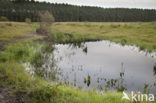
column 32, row 36
column 5, row 96
column 5, row 93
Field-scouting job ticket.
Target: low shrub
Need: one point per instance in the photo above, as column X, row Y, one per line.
column 2, row 18
column 27, row 20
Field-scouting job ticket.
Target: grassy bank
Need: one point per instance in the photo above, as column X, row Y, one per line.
column 12, row 30
column 140, row 34
column 36, row 89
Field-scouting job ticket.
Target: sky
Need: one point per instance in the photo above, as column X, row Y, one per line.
column 148, row 4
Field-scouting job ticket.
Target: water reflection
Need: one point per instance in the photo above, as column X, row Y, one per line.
column 43, row 64
column 106, row 66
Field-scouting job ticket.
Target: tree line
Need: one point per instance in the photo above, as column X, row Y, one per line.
column 19, row 10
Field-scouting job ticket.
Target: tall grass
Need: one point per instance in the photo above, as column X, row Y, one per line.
column 36, row 89
column 11, row 31
column 142, row 35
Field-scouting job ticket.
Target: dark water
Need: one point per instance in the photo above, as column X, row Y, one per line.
column 104, row 64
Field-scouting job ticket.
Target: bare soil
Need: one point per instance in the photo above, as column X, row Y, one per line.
column 33, row 36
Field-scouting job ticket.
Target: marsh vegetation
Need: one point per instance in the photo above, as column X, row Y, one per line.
column 101, row 68
column 31, row 67
column 139, row 34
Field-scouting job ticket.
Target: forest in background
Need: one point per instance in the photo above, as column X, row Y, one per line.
column 19, row 10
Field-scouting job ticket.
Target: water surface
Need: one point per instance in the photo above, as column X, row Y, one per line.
column 105, row 64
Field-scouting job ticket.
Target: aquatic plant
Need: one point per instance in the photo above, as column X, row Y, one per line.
column 85, row 49
column 122, row 74
column 123, row 41
column 146, row 88
column 154, row 69
column 87, row 80
column 142, row 47
column 154, row 47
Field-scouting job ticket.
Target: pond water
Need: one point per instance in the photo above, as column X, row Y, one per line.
column 105, row 64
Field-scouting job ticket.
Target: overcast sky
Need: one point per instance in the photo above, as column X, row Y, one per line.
column 151, row 4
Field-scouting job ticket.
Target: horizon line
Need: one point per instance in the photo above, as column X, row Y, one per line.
column 94, row 6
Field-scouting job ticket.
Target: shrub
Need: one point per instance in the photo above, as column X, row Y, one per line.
column 123, row 41
column 46, row 20
column 115, row 25
column 9, row 24
column 27, row 20
column 2, row 18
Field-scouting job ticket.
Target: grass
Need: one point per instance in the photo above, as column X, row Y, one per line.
column 36, row 89
column 140, row 34
column 12, row 30
column 13, row 74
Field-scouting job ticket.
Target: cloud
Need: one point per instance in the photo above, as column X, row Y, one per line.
column 110, row 3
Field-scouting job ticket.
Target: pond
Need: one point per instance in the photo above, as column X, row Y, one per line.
column 106, row 65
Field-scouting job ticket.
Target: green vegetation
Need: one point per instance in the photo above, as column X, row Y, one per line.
column 140, row 34
column 2, row 18
column 154, row 68
column 36, row 89
column 19, row 10
column 46, row 19
column 27, row 20
column 85, row 49
column 13, row 74
column 10, row 31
